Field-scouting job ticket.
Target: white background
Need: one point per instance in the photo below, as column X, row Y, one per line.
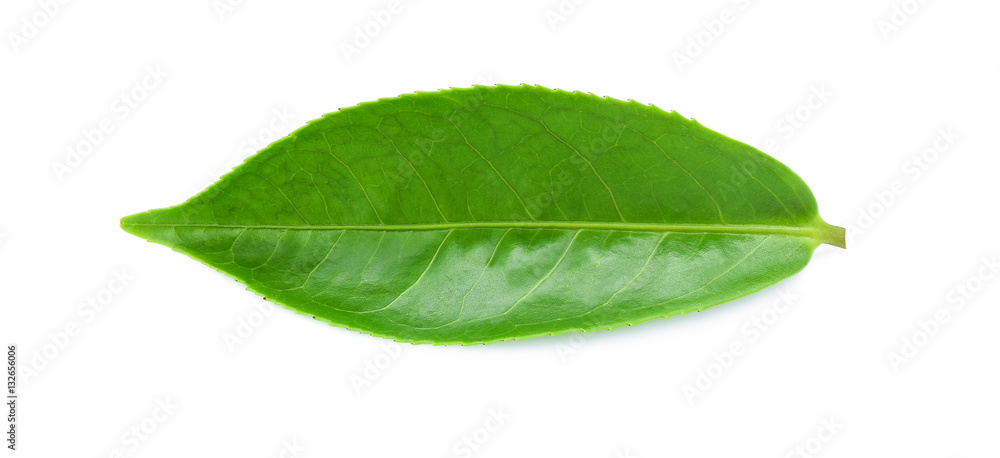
column 291, row 386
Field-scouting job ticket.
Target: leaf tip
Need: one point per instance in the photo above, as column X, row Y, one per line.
column 128, row 223
column 138, row 224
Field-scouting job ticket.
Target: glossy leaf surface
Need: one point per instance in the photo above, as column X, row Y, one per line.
column 493, row 213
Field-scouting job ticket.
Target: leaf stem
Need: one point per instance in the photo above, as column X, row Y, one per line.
column 831, row 235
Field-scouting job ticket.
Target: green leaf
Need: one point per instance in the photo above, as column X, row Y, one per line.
column 493, row 213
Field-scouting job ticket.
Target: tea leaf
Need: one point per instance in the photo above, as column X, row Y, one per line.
column 492, row 213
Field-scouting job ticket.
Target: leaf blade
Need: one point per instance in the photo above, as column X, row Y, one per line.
column 385, row 185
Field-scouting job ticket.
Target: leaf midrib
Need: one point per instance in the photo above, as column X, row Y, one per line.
column 819, row 231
